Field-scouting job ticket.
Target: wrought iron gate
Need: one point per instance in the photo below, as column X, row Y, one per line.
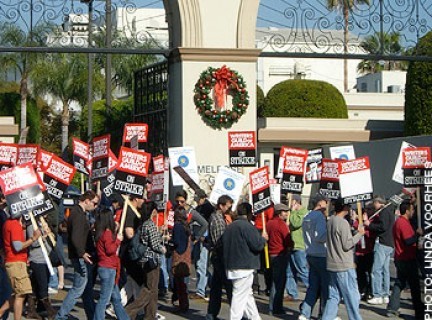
column 151, row 105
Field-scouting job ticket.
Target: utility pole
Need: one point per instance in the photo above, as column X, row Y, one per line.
column 108, row 39
column 90, row 72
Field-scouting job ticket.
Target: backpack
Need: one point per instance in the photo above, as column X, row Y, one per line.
column 136, row 249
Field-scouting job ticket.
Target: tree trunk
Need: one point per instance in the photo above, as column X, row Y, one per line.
column 346, row 16
column 65, row 126
column 23, row 94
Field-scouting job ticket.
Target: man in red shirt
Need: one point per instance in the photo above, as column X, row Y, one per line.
column 405, row 241
column 279, row 243
column 15, row 246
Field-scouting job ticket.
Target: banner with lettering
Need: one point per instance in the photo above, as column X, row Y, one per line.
column 132, row 170
column 81, row 155
column 58, row 176
column 28, row 153
column 260, row 187
column 21, row 186
column 227, row 182
column 107, row 184
column 329, row 184
column 398, row 173
column 242, row 148
column 100, row 156
column 185, row 158
column 413, row 165
column 158, row 163
column 8, row 155
column 293, row 170
column 138, row 130
column 355, row 180
column 313, row 165
column 43, row 159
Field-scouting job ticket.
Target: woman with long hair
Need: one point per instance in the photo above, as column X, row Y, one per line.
column 107, row 246
column 181, row 259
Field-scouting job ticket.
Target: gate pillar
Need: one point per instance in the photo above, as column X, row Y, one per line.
column 207, row 33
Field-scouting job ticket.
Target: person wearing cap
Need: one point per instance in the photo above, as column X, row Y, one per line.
column 200, row 252
column 383, row 250
column 315, row 236
column 279, row 244
column 340, row 264
column 242, row 244
column 297, row 265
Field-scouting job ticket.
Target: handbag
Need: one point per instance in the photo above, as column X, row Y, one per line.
column 150, row 260
column 181, row 262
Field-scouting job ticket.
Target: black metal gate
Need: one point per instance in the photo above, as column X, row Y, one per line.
column 151, row 105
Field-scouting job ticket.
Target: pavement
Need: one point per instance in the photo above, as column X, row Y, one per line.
column 198, row 308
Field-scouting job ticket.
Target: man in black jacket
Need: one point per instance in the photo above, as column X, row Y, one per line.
column 242, row 245
column 78, row 233
column 383, row 251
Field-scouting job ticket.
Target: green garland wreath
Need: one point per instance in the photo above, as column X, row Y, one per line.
column 219, row 119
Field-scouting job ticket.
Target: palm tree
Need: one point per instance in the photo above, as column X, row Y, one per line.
column 388, row 44
column 11, row 35
column 64, row 76
column 346, row 6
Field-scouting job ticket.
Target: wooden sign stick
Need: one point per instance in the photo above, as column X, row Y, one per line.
column 266, row 252
column 123, row 217
column 50, row 233
column 42, row 244
column 360, row 222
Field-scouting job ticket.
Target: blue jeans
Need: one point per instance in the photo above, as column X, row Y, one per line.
column 278, row 270
column 296, row 269
column 201, row 269
column 343, row 284
column 109, row 291
column 164, row 277
column 318, row 285
column 381, row 270
column 78, row 286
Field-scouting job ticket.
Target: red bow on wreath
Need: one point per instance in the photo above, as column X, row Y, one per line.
column 223, row 77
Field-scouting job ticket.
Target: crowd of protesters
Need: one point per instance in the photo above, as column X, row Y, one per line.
column 140, row 258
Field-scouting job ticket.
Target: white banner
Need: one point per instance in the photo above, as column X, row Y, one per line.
column 185, row 158
column 228, row 182
column 355, row 177
column 343, row 153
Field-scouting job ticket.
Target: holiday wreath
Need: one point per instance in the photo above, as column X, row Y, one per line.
column 220, row 83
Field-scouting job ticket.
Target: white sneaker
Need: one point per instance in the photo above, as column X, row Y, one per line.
column 337, row 318
column 302, row 317
column 159, row 316
column 376, row 300
column 123, row 295
column 386, row 300
column 52, row 290
column 110, row 311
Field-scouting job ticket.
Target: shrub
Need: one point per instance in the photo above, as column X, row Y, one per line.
column 305, row 98
column 418, row 91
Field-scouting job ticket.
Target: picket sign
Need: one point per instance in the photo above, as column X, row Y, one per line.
column 419, row 225
column 123, row 218
column 42, row 244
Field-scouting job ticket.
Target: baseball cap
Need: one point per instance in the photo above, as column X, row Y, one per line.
column 296, row 197
column 281, row 207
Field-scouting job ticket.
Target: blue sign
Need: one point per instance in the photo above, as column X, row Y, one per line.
column 183, row 161
column 229, row 184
